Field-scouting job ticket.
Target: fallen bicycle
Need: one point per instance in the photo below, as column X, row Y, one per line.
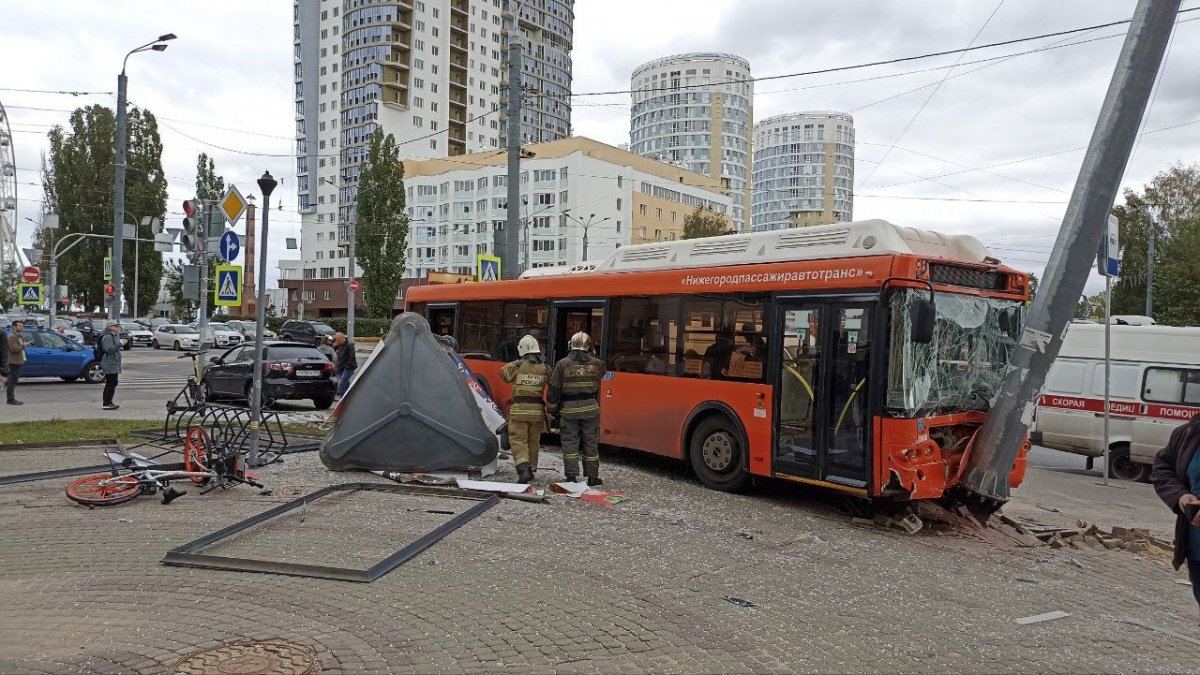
column 132, row 475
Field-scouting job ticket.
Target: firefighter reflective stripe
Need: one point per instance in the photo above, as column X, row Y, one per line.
column 529, row 383
column 575, row 385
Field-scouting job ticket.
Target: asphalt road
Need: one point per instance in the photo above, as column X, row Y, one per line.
column 149, row 379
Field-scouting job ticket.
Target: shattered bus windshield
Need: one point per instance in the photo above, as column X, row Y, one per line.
column 961, row 368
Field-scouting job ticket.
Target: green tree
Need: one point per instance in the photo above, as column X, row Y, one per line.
column 704, row 222
column 1170, row 203
column 76, row 183
column 381, row 232
column 1033, row 288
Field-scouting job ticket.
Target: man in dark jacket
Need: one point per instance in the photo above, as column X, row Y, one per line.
column 1176, row 478
column 346, row 362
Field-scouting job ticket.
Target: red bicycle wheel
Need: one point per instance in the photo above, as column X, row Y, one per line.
column 104, row 489
column 195, row 453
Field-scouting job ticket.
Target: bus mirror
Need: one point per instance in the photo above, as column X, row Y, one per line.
column 922, row 315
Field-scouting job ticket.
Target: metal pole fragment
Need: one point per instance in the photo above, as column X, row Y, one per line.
column 1107, row 367
column 1000, row 439
column 512, row 233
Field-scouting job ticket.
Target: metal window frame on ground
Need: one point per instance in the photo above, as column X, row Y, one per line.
column 188, row 555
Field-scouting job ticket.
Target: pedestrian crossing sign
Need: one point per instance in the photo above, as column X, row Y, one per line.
column 31, row 294
column 487, row 268
column 229, row 285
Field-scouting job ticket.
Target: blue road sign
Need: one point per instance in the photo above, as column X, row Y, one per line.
column 230, row 245
column 487, row 268
column 31, row 294
column 229, row 286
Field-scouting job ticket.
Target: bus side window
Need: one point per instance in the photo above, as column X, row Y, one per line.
column 641, row 335
column 479, row 323
column 701, row 325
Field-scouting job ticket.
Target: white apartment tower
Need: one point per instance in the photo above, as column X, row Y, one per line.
column 431, row 73
column 803, row 170
column 696, row 111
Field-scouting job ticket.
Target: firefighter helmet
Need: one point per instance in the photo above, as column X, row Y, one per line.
column 581, row 340
column 528, row 345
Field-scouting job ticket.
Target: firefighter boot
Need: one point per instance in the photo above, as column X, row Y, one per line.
column 594, row 481
column 524, row 475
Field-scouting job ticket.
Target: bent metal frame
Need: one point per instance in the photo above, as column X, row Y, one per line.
column 189, row 554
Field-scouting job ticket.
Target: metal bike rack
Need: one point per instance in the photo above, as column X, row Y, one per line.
column 230, row 426
column 188, row 555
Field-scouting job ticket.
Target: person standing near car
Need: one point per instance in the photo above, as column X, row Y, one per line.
column 15, row 348
column 110, row 361
column 346, row 362
column 1176, row 479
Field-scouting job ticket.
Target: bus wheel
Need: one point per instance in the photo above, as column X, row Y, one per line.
column 1121, row 466
column 717, row 455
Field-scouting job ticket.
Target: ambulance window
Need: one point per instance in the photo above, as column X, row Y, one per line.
column 1191, row 388
column 1122, row 380
column 1066, row 377
column 1164, row 385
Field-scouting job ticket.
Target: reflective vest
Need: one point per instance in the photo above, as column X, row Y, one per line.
column 575, row 385
column 529, row 383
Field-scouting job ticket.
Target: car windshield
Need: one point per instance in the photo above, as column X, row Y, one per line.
column 186, row 330
column 291, row 353
column 961, row 368
column 129, row 325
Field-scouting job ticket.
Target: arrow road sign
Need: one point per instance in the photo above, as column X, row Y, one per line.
column 230, row 245
column 31, row 294
column 229, row 285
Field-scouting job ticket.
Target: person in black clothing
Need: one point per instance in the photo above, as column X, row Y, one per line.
column 346, row 362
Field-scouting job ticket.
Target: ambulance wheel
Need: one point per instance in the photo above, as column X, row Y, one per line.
column 717, row 454
column 1122, row 466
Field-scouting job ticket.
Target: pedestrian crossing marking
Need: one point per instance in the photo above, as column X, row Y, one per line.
column 31, row 294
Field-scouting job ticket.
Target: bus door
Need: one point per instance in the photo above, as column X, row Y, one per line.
column 441, row 318
column 567, row 318
column 822, row 391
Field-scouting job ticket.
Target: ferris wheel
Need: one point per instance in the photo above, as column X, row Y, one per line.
column 9, row 253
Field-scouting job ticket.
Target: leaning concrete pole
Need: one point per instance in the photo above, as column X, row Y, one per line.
column 512, row 230
column 999, row 441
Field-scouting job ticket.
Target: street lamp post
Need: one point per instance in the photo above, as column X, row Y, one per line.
column 266, row 185
column 586, row 226
column 114, row 311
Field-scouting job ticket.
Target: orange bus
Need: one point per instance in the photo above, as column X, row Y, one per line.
column 860, row 356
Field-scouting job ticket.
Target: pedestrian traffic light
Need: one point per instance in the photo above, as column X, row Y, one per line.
column 192, row 237
column 110, row 294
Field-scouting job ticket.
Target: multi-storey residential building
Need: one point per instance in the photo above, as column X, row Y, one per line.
column 803, row 170
column 696, row 110
column 431, row 73
column 569, row 189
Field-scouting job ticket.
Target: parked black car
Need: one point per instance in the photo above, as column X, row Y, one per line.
column 93, row 328
column 309, row 332
column 291, row 371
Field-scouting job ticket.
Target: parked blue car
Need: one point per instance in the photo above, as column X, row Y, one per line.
column 54, row 355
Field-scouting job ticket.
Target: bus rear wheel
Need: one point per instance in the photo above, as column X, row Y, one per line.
column 718, row 456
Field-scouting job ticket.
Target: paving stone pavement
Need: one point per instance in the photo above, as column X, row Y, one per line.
column 567, row 587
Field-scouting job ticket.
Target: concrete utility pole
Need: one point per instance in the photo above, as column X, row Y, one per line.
column 1084, row 225
column 512, row 231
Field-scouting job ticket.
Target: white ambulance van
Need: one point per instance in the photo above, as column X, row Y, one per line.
column 1154, row 388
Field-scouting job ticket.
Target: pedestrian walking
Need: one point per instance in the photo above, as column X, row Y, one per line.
column 1176, row 478
column 110, row 362
column 345, row 362
column 527, row 414
column 575, row 396
column 15, row 348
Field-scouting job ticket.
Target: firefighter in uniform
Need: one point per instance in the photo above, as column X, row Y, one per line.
column 527, row 414
column 575, row 396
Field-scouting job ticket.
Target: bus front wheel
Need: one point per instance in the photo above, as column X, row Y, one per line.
column 717, row 454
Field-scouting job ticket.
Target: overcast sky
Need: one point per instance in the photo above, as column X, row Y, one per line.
column 994, row 152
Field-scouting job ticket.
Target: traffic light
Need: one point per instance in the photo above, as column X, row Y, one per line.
column 110, row 294
column 192, row 237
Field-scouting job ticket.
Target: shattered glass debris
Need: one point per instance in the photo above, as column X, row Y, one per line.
column 962, row 367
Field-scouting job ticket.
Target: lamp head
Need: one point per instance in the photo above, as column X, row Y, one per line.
column 267, row 184
column 159, row 48
column 168, row 36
